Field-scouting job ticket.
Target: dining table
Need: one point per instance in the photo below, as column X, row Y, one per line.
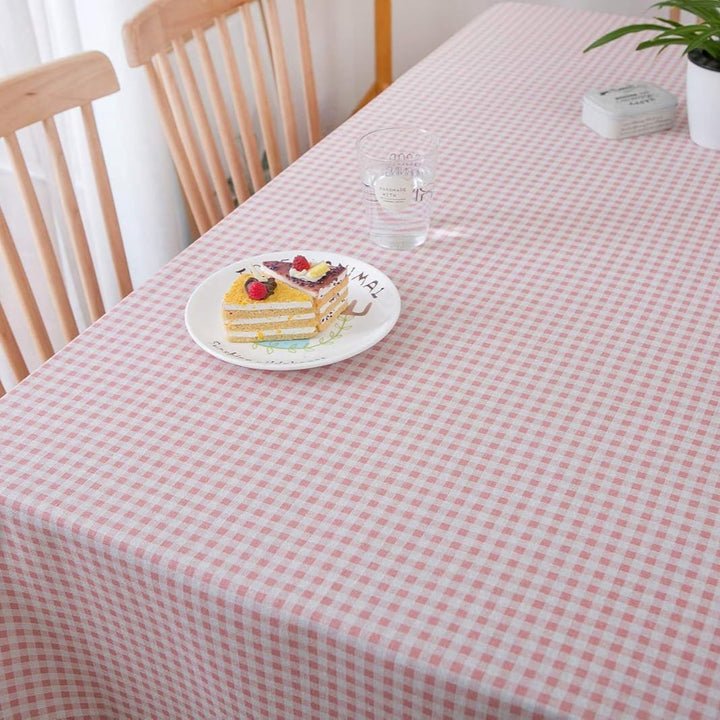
column 493, row 493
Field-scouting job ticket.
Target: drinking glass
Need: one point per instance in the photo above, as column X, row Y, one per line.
column 398, row 171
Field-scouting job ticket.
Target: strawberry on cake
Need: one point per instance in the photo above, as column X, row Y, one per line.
column 284, row 300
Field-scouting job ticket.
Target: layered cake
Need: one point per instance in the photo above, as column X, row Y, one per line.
column 325, row 283
column 283, row 300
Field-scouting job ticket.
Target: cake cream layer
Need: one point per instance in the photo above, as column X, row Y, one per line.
column 269, row 324
column 257, row 313
column 233, row 320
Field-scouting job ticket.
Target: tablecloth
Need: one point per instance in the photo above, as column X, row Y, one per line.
column 507, row 508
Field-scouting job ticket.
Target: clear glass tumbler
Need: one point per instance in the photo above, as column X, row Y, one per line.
column 398, row 171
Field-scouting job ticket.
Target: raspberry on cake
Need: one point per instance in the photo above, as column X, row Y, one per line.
column 326, row 284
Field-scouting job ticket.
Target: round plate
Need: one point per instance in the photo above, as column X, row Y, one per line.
column 373, row 309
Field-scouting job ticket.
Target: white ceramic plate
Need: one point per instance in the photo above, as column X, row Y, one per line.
column 373, row 304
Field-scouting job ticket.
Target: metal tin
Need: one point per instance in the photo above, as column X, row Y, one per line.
column 628, row 110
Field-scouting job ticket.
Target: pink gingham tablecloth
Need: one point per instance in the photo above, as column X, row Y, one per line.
column 508, row 508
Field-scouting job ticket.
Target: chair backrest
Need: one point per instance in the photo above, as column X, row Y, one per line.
column 676, row 15
column 203, row 105
column 37, row 96
column 383, row 52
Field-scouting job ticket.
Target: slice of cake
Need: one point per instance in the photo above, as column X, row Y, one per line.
column 283, row 300
column 256, row 307
column 326, row 284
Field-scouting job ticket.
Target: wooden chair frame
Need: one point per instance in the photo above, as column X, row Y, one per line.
column 37, row 96
column 162, row 31
column 383, row 52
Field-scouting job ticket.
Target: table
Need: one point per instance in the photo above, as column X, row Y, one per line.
column 508, row 508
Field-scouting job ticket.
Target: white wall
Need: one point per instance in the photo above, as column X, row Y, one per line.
column 343, row 39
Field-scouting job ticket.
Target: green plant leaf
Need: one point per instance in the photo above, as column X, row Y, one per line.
column 705, row 41
column 662, row 44
column 627, row 30
column 703, row 35
column 707, row 10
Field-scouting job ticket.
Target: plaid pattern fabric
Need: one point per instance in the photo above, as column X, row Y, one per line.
column 507, row 508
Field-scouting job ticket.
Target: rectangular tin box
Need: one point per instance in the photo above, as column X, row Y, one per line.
column 628, row 110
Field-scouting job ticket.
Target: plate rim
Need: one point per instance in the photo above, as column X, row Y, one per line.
column 320, row 362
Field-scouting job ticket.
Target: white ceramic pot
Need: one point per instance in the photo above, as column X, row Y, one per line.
column 703, row 99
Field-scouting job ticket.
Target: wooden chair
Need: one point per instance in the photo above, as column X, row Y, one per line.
column 383, row 52
column 217, row 168
column 37, row 96
column 676, row 15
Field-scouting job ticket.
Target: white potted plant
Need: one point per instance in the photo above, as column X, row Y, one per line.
column 701, row 40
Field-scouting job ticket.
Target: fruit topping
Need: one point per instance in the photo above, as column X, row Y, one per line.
column 258, row 286
column 318, row 270
column 300, row 263
column 256, row 290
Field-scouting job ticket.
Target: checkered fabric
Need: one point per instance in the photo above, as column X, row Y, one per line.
column 507, row 508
